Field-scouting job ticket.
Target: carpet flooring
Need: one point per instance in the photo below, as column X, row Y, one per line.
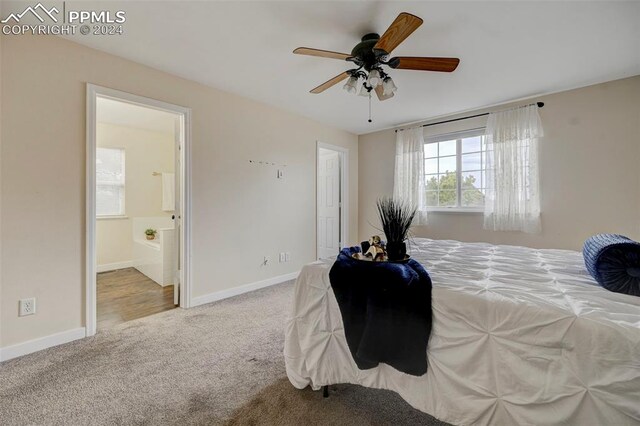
column 215, row 364
column 349, row 405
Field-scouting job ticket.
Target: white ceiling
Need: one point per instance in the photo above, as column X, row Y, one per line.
column 508, row 50
column 126, row 114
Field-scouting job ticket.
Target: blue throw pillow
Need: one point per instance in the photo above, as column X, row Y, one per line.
column 614, row 261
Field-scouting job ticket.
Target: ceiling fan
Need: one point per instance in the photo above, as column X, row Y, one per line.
column 372, row 53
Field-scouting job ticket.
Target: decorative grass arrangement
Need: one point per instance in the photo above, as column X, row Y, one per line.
column 396, row 218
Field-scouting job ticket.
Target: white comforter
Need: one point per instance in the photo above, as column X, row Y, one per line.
column 520, row 336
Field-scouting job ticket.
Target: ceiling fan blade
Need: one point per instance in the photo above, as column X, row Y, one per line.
column 426, row 64
column 381, row 95
column 335, row 80
column 320, row 53
column 399, row 30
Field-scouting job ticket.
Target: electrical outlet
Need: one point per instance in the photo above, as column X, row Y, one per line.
column 282, row 257
column 27, row 307
column 287, row 256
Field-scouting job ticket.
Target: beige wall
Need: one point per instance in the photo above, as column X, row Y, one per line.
column 145, row 152
column 241, row 212
column 1, row 293
column 589, row 171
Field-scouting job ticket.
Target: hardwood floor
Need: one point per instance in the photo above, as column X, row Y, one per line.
column 127, row 294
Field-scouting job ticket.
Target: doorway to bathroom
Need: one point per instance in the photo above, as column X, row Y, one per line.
column 137, row 207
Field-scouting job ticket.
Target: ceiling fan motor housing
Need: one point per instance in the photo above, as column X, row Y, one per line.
column 364, row 52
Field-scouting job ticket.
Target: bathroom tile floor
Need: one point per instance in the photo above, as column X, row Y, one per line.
column 127, row 294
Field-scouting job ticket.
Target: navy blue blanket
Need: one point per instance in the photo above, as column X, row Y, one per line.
column 614, row 261
column 386, row 311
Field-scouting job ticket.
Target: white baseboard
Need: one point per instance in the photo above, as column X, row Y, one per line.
column 113, row 266
column 56, row 339
column 224, row 294
column 41, row 343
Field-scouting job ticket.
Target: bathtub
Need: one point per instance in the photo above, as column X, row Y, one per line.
column 155, row 258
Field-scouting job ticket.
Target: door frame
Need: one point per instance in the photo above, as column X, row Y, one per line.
column 93, row 92
column 344, row 190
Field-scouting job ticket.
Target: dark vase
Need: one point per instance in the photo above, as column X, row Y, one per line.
column 365, row 246
column 396, row 251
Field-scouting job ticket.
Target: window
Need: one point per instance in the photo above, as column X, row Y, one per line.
column 454, row 167
column 109, row 182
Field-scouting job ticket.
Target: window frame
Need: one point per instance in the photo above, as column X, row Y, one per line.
column 457, row 136
column 123, row 185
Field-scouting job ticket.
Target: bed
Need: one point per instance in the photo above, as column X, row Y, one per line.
column 520, row 336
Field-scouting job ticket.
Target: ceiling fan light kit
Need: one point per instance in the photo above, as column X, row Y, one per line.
column 351, row 85
column 374, row 78
column 389, row 87
column 372, row 53
column 364, row 91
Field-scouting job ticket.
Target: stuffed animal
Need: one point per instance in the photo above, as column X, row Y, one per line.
column 376, row 249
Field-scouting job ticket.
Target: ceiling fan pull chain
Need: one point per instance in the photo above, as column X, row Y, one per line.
column 369, row 106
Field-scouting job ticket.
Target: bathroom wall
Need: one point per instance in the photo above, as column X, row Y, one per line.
column 145, row 152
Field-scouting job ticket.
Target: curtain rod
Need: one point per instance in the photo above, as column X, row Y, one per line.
column 539, row 104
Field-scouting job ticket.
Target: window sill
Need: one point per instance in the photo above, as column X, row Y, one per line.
column 455, row 210
column 111, row 217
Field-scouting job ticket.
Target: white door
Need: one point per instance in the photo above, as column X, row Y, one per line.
column 177, row 218
column 328, row 203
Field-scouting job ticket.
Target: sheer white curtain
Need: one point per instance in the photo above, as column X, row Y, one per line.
column 408, row 184
column 512, row 200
